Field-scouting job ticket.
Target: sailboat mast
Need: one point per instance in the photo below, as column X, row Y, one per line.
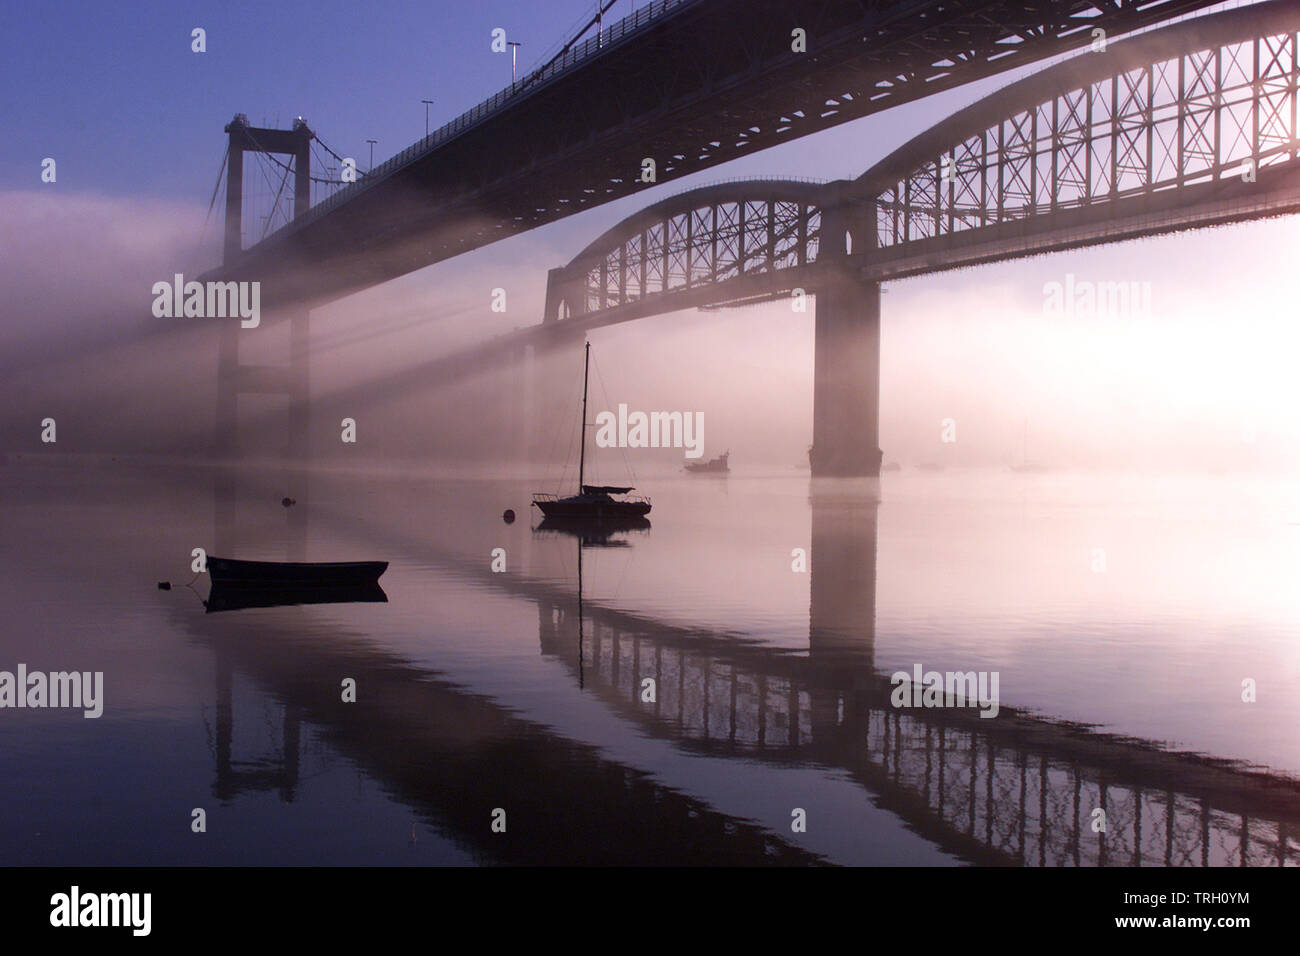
column 582, row 452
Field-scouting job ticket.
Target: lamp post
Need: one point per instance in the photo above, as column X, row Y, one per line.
column 427, row 104
column 514, row 52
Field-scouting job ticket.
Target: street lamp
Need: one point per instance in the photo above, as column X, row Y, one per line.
column 514, row 52
column 427, row 104
column 372, row 154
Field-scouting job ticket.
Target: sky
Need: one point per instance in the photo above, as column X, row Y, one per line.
column 1201, row 379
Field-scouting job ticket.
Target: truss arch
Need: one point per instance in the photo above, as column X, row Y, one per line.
column 1191, row 125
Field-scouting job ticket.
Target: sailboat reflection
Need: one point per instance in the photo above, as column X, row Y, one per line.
column 595, row 534
column 592, row 533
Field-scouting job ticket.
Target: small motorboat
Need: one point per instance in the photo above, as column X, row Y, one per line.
column 281, row 575
column 717, row 466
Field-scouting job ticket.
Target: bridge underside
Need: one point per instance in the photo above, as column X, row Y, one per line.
column 1190, row 126
column 574, row 138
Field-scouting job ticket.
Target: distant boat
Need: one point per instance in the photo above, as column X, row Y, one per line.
column 718, row 466
column 592, row 502
column 289, row 575
column 1026, row 466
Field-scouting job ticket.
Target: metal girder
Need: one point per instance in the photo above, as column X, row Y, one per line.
column 1191, row 125
column 699, row 248
column 1147, row 137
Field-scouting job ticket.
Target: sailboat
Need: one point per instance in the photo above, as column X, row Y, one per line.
column 592, row 502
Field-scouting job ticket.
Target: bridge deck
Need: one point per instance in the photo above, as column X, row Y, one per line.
column 575, row 137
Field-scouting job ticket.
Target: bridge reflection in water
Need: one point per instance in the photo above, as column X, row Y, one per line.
column 1017, row 789
column 1013, row 790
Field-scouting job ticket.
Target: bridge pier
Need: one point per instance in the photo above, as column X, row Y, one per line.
column 292, row 380
column 846, row 377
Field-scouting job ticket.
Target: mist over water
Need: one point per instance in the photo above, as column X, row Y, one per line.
column 1165, row 388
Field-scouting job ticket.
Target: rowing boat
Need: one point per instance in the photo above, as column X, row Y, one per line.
column 291, row 574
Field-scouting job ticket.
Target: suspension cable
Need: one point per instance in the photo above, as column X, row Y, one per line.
column 275, row 204
column 216, row 188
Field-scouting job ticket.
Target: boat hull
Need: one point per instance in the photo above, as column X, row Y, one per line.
column 294, row 575
column 585, row 508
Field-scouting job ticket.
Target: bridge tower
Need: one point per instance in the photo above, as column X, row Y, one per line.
column 846, row 376
column 232, row 376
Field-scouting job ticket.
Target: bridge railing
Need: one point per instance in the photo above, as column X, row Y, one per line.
column 629, row 25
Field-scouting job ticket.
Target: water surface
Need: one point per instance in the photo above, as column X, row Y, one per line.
column 1122, row 614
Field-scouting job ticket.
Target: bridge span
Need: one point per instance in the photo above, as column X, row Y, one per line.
column 1192, row 125
column 690, row 84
